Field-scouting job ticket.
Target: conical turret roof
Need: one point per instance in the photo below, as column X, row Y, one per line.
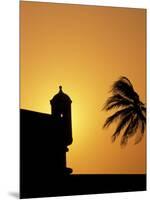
column 61, row 97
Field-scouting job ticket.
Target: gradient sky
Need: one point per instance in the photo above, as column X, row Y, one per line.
column 84, row 49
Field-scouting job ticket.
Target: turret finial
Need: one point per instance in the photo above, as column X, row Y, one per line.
column 60, row 88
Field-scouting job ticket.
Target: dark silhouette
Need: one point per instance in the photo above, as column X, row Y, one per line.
column 44, row 141
column 132, row 116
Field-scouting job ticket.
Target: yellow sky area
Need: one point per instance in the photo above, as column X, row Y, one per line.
column 84, row 49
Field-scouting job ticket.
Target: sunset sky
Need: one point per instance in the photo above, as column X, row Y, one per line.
column 84, row 49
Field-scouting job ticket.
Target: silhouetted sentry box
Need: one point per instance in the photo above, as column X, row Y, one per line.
column 61, row 110
column 44, row 141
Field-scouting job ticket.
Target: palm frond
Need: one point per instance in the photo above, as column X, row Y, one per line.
column 132, row 116
column 125, row 120
column 123, row 86
column 115, row 116
column 141, row 134
column 126, row 80
column 143, row 108
column 142, row 116
column 116, row 101
column 130, row 130
column 142, row 124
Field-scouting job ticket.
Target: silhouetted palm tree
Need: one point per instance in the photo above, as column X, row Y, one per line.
column 132, row 116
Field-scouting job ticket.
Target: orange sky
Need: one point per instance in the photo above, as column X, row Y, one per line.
column 85, row 49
